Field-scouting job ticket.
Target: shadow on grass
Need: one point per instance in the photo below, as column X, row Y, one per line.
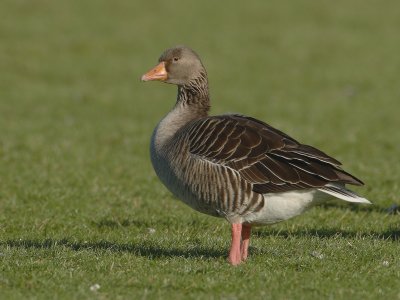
column 391, row 234
column 151, row 251
column 154, row 251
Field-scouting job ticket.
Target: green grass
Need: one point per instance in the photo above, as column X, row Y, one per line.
column 79, row 202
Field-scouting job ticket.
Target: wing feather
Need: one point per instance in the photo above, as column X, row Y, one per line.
column 265, row 157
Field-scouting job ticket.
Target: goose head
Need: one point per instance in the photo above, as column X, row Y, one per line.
column 179, row 65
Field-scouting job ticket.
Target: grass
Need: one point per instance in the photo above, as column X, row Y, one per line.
column 79, row 202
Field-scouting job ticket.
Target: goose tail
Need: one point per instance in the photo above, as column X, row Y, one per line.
column 341, row 192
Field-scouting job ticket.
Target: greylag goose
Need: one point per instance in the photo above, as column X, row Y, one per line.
column 234, row 166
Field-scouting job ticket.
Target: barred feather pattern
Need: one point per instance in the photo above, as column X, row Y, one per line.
column 210, row 188
column 195, row 94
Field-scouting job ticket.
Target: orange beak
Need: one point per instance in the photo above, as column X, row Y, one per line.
column 157, row 73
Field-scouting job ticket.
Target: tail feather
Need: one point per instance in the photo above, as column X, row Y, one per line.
column 342, row 193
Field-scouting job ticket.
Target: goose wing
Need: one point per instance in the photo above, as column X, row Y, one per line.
column 264, row 156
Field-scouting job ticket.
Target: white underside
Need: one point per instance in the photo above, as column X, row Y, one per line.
column 282, row 206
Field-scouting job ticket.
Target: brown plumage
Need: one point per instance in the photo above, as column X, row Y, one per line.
column 264, row 156
column 234, row 166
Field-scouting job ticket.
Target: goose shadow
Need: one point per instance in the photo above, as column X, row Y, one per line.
column 154, row 251
column 390, row 234
column 146, row 250
column 149, row 250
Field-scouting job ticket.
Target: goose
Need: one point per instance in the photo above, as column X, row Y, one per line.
column 234, row 166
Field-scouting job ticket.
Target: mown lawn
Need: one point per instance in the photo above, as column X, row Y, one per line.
column 82, row 214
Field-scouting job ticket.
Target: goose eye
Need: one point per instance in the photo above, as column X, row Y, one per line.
column 176, row 58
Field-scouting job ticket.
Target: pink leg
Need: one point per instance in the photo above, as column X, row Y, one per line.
column 234, row 254
column 246, row 231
